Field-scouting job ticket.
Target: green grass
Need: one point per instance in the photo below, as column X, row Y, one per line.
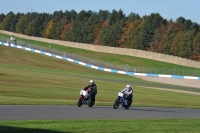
column 33, row 79
column 102, row 126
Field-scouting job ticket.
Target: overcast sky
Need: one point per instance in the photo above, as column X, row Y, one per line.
column 168, row 9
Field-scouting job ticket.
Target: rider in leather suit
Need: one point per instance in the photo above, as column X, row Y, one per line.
column 129, row 92
column 93, row 88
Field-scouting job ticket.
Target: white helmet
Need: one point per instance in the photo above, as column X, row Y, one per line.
column 128, row 86
column 91, row 82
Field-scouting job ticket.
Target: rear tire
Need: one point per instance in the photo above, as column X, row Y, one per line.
column 91, row 104
column 79, row 102
column 127, row 107
column 116, row 104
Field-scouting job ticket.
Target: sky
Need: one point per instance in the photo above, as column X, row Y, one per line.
column 168, row 9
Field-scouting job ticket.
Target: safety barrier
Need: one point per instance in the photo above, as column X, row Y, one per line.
column 97, row 67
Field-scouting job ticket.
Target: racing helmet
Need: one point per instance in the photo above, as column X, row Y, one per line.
column 91, row 82
column 128, row 86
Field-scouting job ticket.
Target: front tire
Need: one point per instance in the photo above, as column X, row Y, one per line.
column 79, row 102
column 116, row 104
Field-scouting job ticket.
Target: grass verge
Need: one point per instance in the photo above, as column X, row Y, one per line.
column 102, row 126
column 33, row 79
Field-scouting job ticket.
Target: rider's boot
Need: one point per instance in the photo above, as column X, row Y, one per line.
column 94, row 99
column 129, row 103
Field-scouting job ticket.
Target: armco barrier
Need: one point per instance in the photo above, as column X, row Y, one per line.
column 96, row 67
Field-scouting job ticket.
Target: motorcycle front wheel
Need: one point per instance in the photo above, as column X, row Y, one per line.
column 79, row 102
column 116, row 104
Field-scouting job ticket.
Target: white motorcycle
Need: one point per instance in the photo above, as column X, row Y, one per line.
column 85, row 98
column 122, row 100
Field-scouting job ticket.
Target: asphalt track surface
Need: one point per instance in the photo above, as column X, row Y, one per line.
column 19, row 112
column 33, row 112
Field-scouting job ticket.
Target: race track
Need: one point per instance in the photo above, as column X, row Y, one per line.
column 20, row 112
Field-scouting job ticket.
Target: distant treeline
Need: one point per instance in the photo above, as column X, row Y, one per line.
column 151, row 33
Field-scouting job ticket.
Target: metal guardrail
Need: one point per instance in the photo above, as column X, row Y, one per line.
column 126, row 67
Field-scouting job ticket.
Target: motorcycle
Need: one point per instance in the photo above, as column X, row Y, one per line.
column 122, row 100
column 85, row 98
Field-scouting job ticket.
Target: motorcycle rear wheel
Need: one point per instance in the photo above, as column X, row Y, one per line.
column 127, row 107
column 91, row 104
column 116, row 104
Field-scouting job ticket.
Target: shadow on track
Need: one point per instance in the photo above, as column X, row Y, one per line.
column 10, row 129
column 137, row 109
column 153, row 110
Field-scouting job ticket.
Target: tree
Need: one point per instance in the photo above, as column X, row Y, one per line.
column 130, row 33
column 98, row 31
column 153, row 21
column 171, row 32
column 176, row 43
column 115, row 17
column 57, row 25
column 47, row 29
column 133, row 16
column 9, row 22
column 66, row 33
column 2, row 16
column 186, row 47
column 111, row 35
column 31, row 24
column 20, row 27
column 158, row 39
column 103, row 15
column 180, row 21
column 196, row 48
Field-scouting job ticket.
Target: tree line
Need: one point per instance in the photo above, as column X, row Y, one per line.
column 150, row 32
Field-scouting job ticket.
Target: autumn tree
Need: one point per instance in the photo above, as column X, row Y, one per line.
column 157, row 42
column 47, row 29
column 99, row 26
column 129, row 25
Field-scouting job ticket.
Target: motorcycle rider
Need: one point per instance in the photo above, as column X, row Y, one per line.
column 93, row 88
column 129, row 92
